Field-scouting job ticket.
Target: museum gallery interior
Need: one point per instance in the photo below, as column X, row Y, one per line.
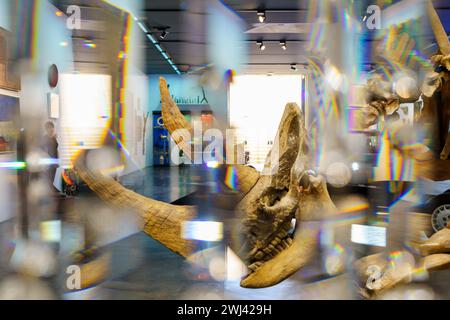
column 224, row 149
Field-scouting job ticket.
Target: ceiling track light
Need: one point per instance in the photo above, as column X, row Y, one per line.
column 261, row 16
column 283, row 45
column 156, row 44
column 164, row 33
column 261, row 45
column 294, row 66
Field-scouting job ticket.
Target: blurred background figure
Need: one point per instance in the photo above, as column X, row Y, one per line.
column 50, row 146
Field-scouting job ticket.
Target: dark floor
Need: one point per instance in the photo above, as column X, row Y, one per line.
column 142, row 268
column 167, row 184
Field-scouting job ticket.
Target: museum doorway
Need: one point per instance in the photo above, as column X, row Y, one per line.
column 256, row 104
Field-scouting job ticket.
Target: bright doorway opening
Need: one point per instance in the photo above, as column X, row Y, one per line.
column 256, row 105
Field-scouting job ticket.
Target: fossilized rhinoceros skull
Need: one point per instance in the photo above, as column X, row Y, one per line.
column 273, row 249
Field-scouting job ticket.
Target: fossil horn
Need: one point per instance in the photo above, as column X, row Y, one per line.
column 179, row 128
column 438, row 30
column 162, row 221
column 181, row 132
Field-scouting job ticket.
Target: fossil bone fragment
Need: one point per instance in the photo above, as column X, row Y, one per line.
column 436, row 88
column 435, row 115
column 437, row 243
column 436, row 256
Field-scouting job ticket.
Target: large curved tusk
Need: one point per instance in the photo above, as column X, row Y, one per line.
column 181, row 132
column 162, row 221
column 438, row 29
column 247, row 177
column 179, row 128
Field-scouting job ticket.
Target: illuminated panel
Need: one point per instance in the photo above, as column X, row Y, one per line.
column 202, row 230
column 369, row 235
column 51, row 231
column 256, row 106
column 85, row 113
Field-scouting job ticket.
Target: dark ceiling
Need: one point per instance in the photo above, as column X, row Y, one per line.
column 101, row 24
column 186, row 42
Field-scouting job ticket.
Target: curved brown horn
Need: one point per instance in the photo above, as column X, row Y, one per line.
column 162, row 221
column 179, row 128
column 438, row 29
column 181, row 131
column 247, row 177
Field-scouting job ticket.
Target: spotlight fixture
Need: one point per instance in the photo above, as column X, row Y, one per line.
column 163, row 34
column 261, row 16
column 294, row 66
column 261, row 45
column 283, row 45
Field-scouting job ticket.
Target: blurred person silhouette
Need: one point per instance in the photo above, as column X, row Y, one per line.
column 50, row 145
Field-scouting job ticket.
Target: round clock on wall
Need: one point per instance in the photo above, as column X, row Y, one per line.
column 53, row 76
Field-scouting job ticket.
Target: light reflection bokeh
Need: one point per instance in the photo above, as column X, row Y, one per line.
column 364, row 94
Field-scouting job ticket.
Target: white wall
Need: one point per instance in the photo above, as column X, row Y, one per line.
column 136, row 98
column 257, row 104
column 5, row 14
column 53, row 45
column 136, row 93
column 187, row 86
